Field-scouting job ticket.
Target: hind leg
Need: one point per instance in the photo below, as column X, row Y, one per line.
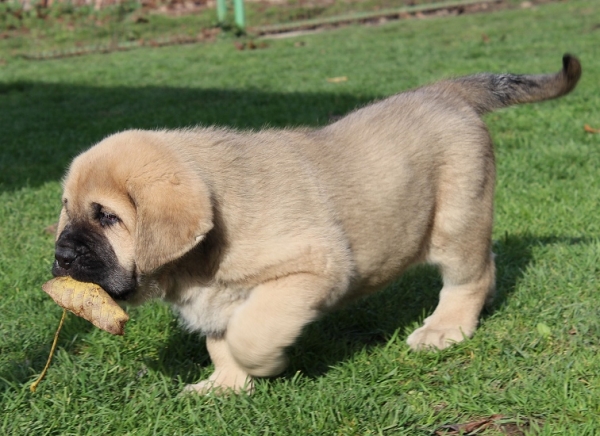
column 461, row 301
column 460, row 245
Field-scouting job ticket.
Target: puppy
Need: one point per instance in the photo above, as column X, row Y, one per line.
column 253, row 235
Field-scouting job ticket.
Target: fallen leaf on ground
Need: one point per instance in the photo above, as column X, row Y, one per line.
column 249, row 45
column 497, row 423
column 467, row 427
column 337, row 79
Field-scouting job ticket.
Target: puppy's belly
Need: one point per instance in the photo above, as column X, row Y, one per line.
column 208, row 309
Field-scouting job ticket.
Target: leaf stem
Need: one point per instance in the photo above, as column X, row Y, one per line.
column 35, row 384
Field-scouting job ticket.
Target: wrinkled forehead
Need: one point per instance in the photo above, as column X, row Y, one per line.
column 111, row 171
column 97, row 176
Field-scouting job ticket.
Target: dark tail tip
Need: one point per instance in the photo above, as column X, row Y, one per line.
column 571, row 70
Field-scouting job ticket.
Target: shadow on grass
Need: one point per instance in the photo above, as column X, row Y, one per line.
column 372, row 321
column 45, row 125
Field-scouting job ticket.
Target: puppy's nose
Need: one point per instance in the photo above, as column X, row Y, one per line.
column 64, row 256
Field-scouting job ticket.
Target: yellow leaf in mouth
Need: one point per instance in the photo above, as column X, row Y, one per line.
column 89, row 301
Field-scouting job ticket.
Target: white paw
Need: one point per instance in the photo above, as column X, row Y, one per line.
column 220, row 386
column 202, row 388
column 434, row 338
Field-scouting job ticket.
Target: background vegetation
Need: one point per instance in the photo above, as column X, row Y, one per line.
column 535, row 359
column 61, row 28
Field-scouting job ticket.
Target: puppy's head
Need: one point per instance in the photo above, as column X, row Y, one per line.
column 131, row 204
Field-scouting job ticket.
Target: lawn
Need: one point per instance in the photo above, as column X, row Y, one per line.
column 535, row 360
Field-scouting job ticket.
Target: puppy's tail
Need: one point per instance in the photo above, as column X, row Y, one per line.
column 487, row 92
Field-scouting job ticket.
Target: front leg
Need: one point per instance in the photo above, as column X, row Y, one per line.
column 228, row 376
column 261, row 329
column 271, row 320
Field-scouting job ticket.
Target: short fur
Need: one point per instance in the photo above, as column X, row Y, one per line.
column 253, row 235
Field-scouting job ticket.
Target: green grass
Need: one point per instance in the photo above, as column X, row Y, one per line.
column 536, row 356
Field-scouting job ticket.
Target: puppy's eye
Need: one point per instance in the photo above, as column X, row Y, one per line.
column 107, row 219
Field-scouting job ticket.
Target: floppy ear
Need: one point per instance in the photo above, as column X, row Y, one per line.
column 174, row 213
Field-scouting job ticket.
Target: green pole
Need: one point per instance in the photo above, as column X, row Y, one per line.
column 240, row 16
column 221, row 11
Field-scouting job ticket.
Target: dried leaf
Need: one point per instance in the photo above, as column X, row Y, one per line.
column 496, row 423
column 590, row 129
column 88, row 301
column 337, row 79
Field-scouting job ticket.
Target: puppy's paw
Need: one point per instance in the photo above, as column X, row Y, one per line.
column 221, row 386
column 202, row 388
column 427, row 337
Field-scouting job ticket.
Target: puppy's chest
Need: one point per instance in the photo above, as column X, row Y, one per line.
column 207, row 309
